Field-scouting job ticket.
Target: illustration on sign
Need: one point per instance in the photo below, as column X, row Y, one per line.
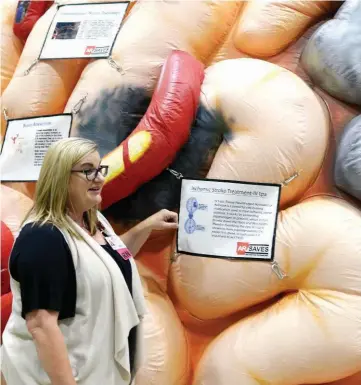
column 190, row 224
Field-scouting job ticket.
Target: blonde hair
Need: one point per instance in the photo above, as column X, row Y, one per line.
column 51, row 194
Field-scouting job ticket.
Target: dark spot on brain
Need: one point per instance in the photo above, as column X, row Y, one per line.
column 231, row 120
column 318, row 39
column 347, row 169
column 350, row 74
column 113, row 116
column 193, row 161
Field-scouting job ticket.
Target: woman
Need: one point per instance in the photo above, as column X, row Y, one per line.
column 78, row 300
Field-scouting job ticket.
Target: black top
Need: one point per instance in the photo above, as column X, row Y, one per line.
column 42, row 263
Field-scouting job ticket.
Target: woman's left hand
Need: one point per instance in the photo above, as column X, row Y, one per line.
column 163, row 220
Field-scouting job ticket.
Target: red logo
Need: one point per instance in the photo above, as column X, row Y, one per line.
column 89, row 49
column 242, row 247
column 94, row 50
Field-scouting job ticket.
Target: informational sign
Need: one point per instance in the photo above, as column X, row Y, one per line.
column 224, row 219
column 26, row 142
column 84, row 31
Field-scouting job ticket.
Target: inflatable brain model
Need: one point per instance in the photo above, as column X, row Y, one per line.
column 257, row 91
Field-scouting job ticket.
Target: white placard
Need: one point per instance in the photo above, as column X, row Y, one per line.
column 225, row 219
column 83, row 31
column 26, row 142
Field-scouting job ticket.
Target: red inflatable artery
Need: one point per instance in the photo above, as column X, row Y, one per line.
column 7, row 240
column 161, row 133
column 6, row 307
column 27, row 14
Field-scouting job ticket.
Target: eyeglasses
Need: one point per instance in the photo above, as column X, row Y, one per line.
column 92, row 173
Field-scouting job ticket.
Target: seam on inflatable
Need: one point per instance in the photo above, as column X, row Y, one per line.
column 314, row 310
column 326, row 154
column 304, row 12
column 257, row 379
column 189, row 370
column 225, row 35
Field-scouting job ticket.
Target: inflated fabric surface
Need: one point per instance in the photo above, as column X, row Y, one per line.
column 317, row 322
column 165, row 341
column 348, row 159
column 262, row 25
column 332, row 56
column 10, row 45
column 278, row 127
column 14, row 206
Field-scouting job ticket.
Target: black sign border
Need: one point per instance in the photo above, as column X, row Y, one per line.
column 228, row 257
column 30, row 118
column 84, row 57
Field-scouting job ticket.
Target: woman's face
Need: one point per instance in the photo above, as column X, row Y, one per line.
column 83, row 193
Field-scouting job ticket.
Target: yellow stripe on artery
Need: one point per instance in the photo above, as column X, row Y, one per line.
column 115, row 162
column 138, row 144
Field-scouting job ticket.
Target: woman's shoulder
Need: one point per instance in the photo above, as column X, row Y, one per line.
column 36, row 241
column 38, row 227
column 40, row 253
column 35, row 231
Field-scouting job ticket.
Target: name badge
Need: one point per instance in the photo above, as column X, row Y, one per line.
column 118, row 245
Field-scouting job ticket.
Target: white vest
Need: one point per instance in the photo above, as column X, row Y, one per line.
column 97, row 337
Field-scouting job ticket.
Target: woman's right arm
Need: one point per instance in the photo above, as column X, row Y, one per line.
column 43, row 266
column 50, row 345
